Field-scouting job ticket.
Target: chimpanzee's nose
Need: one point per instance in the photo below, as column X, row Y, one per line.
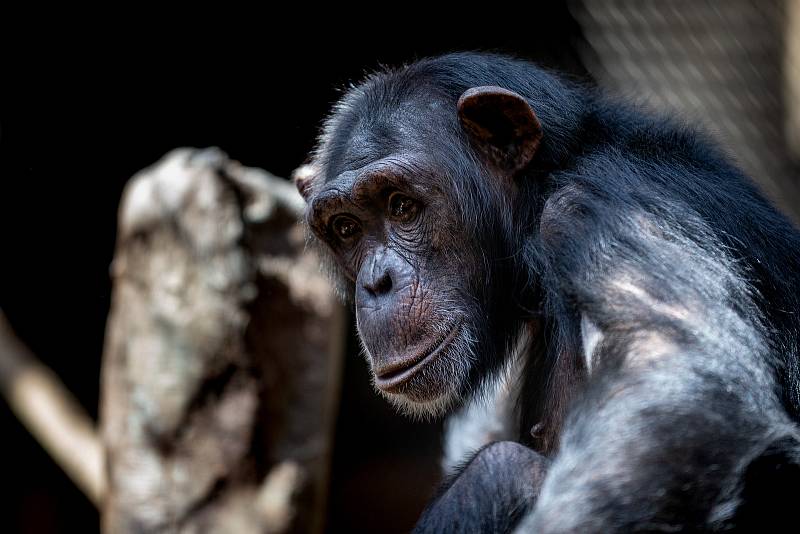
column 378, row 285
column 382, row 275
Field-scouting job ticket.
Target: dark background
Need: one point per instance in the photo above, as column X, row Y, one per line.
column 81, row 110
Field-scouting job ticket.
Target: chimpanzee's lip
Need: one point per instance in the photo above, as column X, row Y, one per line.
column 392, row 375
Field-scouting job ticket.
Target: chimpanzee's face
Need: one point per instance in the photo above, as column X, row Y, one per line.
column 393, row 234
column 417, row 245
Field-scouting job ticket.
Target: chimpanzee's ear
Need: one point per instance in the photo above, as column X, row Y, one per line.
column 502, row 125
column 304, row 177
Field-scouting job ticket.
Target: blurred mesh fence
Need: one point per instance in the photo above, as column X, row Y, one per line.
column 734, row 65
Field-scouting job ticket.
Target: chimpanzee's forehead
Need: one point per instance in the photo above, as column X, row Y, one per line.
column 362, row 137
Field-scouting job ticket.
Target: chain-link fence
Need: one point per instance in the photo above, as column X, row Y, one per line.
column 734, row 65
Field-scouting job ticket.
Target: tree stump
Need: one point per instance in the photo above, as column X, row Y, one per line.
column 223, row 355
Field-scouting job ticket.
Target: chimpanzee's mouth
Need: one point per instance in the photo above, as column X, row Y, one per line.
column 389, row 377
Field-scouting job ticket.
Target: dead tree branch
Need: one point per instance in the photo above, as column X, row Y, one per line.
column 221, row 366
column 50, row 412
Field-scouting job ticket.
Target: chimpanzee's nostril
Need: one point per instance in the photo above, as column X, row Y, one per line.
column 384, row 284
column 381, row 286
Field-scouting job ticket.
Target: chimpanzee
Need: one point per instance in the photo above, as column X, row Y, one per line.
column 635, row 296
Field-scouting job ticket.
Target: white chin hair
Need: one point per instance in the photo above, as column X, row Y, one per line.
column 422, row 410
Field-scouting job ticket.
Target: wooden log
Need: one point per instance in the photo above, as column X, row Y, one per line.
column 223, row 355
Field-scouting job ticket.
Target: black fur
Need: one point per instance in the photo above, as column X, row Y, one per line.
column 641, row 225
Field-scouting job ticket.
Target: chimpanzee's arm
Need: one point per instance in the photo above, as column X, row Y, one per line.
column 680, row 396
column 491, row 494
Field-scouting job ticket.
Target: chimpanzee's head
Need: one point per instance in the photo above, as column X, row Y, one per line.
column 414, row 194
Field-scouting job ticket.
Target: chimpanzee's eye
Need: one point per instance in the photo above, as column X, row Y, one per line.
column 402, row 208
column 345, row 227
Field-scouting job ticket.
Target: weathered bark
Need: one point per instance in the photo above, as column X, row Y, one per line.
column 222, row 357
